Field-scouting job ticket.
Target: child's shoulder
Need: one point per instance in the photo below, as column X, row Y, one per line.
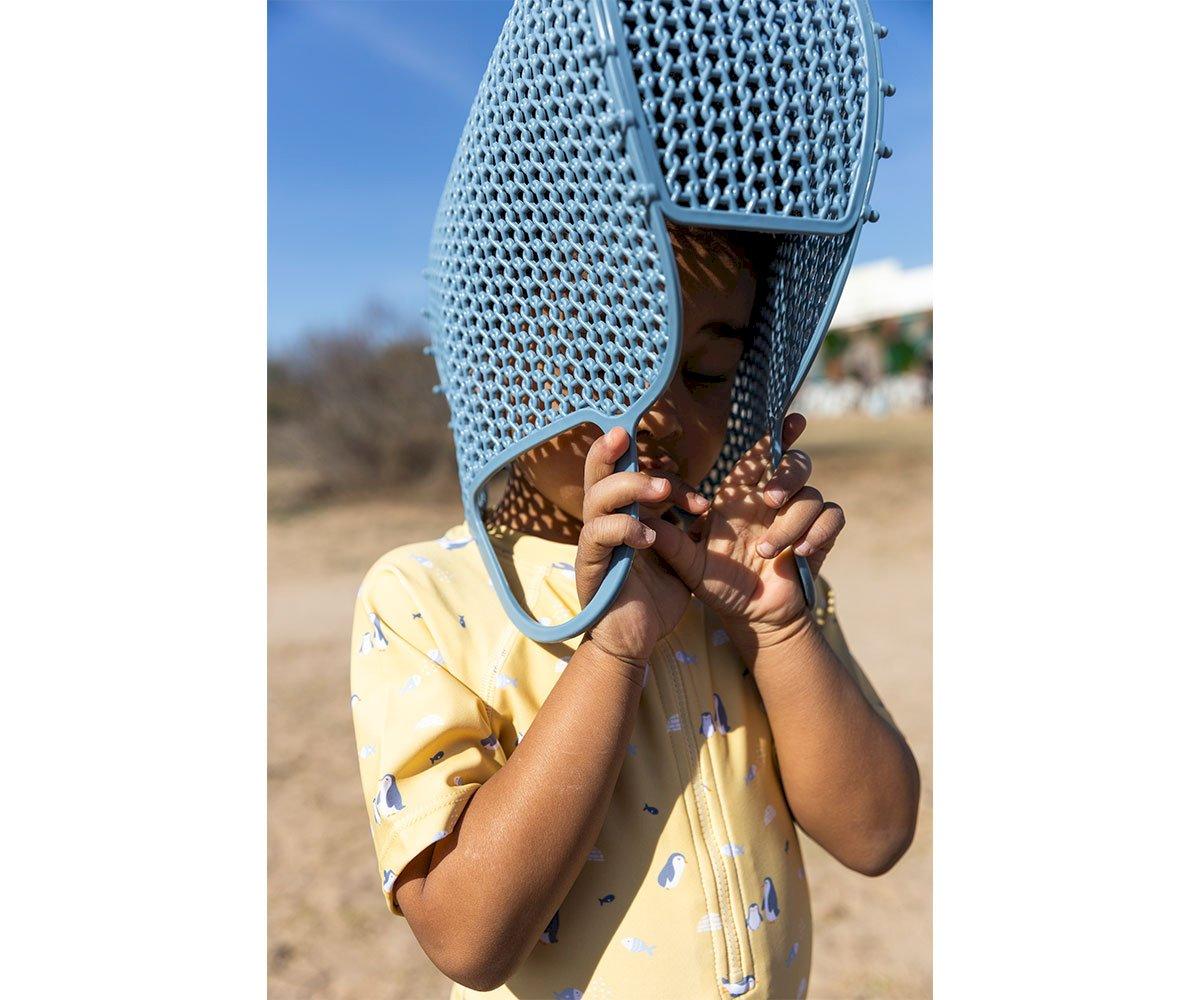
column 443, row 572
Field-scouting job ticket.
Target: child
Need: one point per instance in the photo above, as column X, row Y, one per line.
column 614, row 815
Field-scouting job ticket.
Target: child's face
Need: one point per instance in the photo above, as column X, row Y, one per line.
column 684, row 431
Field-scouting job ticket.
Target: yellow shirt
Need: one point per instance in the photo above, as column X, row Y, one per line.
column 696, row 886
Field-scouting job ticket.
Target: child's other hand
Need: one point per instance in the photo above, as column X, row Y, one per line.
column 653, row 598
column 738, row 557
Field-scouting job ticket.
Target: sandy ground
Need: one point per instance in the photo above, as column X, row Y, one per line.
column 330, row 933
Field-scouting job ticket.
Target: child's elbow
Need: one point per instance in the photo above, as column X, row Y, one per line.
column 481, row 967
column 881, row 854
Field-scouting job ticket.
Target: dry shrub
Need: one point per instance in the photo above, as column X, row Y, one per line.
column 352, row 411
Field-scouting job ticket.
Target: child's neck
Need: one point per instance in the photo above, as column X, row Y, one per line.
column 522, row 508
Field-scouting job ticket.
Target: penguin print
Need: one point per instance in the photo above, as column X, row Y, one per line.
column 770, row 900
column 489, row 742
column 387, row 799
column 375, row 639
column 706, row 724
column 550, row 934
column 754, row 917
column 742, row 986
column 722, row 721
column 389, row 880
column 354, row 700
column 672, row 871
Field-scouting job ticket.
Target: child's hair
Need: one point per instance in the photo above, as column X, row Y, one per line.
column 731, row 247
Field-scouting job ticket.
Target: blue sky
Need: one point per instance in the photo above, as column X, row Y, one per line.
column 366, row 102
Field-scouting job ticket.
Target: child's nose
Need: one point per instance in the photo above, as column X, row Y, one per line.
column 661, row 422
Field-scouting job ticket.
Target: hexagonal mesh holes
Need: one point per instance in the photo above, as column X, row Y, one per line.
column 755, row 106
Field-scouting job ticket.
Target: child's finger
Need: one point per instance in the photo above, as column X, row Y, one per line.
column 678, row 550
column 603, row 455
column 682, row 495
column 792, row 523
column 791, row 476
column 793, row 426
column 597, row 538
column 824, row 531
column 619, row 489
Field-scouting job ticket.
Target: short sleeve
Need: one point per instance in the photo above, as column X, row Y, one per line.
column 425, row 740
column 832, row 630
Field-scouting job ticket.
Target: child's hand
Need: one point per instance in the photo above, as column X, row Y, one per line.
column 738, row 558
column 653, row 599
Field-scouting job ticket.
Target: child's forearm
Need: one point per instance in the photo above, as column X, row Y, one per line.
column 494, row 884
column 849, row 777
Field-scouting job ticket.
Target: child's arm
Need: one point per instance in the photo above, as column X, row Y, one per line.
column 478, row 899
column 849, row 776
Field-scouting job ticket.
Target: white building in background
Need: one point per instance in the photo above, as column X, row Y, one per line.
column 883, row 290
column 880, row 300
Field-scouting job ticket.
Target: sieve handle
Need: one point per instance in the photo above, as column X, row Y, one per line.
column 806, row 581
column 610, row 586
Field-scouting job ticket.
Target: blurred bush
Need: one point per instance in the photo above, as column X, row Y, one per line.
column 351, row 411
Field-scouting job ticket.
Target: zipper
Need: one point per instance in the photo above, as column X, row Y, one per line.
column 713, row 832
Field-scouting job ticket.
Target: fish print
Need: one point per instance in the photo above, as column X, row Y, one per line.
column 800, row 872
column 449, row 544
column 595, row 854
column 719, row 717
column 732, row 850
column 802, row 992
column 647, row 807
column 632, row 749
column 366, row 751
column 422, row 561
column 413, row 682
column 672, row 871
column 685, row 658
column 709, row 922
column 754, row 917
column 565, row 567
column 793, row 951
column 768, row 815
column 673, row 724
column 561, row 664
column 605, row 900
column 416, row 615
column 751, row 773
column 437, row 756
column 570, row 993
column 742, row 986
column 387, row 800
column 462, row 621
column 436, row 656
column 429, row 722
column 770, row 905
column 720, row 637
column 504, row 681
column 550, row 934
column 638, row 946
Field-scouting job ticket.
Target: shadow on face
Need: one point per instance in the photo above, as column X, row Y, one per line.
column 685, row 428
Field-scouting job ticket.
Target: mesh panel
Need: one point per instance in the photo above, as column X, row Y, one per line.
column 754, row 106
column 548, row 294
column 796, row 289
